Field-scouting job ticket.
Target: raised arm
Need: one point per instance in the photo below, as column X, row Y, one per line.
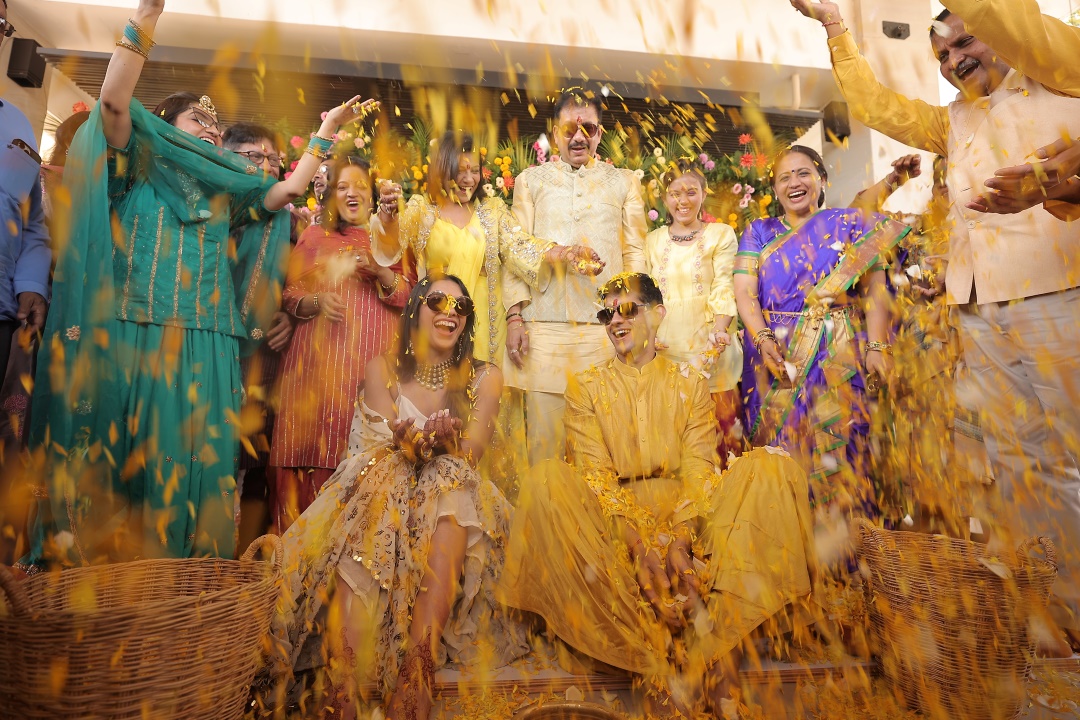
column 912, row 122
column 1043, row 48
column 297, row 183
column 873, row 198
column 123, row 73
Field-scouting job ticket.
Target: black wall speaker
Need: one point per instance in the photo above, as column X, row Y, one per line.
column 836, row 121
column 25, row 66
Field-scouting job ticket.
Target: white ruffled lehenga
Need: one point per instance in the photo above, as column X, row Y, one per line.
column 368, row 533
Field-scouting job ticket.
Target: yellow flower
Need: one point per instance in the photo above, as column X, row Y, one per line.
column 732, row 218
column 766, row 200
column 311, row 204
column 483, row 151
column 424, row 168
column 417, row 175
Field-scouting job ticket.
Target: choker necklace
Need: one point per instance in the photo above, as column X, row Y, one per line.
column 433, row 377
column 683, row 238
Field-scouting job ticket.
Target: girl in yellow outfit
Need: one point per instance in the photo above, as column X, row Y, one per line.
column 692, row 262
column 640, row 555
column 455, row 232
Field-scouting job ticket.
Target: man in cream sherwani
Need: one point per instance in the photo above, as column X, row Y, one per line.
column 573, row 200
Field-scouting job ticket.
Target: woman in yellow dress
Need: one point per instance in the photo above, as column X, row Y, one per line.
column 452, row 230
column 692, row 262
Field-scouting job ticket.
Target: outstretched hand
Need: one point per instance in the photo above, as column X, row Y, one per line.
column 821, row 11
column 1017, row 188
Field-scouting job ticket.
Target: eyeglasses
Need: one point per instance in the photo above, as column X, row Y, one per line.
column 205, row 120
column 257, row 158
column 442, row 303
column 6, row 28
column 570, row 129
column 628, row 309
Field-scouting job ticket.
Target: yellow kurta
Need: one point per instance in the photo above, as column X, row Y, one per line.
column 697, row 284
column 643, row 446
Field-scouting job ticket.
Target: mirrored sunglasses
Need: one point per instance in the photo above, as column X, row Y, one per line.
column 440, row 303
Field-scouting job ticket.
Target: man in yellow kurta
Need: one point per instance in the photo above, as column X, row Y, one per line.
column 572, row 200
column 1012, row 274
column 639, row 554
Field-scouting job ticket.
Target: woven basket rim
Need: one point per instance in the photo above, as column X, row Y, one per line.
column 269, row 574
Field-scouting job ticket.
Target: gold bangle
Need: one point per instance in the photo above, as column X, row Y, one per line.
column 393, row 288
column 143, row 35
column 128, row 45
column 878, row 346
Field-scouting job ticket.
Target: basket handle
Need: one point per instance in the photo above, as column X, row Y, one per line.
column 16, row 595
column 867, row 533
column 271, row 542
column 1049, row 551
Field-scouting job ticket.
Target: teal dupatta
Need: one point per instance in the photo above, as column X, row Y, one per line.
column 75, row 405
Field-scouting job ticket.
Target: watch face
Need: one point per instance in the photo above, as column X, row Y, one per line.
column 17, row 143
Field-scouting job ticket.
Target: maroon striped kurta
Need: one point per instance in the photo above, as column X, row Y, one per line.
column 323, row 368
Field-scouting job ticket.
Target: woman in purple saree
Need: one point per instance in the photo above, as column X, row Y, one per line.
column 811, row 292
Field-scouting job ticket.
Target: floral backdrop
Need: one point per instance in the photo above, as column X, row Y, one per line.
column 737, row 189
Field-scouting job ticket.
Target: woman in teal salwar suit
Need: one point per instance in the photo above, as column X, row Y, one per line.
column 172, row 264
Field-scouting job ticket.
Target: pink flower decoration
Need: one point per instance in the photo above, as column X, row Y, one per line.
column 747, row 160
column 296, row 141
column 749, row 189
column 703, row 158
column 288, row 175
column 536, row 146
column 745, row 202
column 358, row 142
column 323, row 116
column 80, row 107
column 746, row 139
column 293, row 165
column 710, row 165
column 737, row 190
column 653, row 215
column 707, row 218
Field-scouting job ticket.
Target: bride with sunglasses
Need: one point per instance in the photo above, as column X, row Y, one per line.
column 454, row 229
column 394, row 564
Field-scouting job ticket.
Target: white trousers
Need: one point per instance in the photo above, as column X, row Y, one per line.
column 1024, row 359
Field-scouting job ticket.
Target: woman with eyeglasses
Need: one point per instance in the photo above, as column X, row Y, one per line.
column 171, row 266
column 455, row 230
column 810, row 286
column 691, row 261
column 396, row 559
column 345, row 307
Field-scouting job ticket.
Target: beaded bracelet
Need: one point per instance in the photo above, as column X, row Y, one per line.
column 879, row 346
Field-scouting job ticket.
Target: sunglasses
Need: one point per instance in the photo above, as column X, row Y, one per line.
column 628, row 309
column 570, row 129
column 441, row 303
column 257, row 158
column 205, row 120
column 6, row 28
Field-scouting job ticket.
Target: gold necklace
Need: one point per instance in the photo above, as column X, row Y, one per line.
column 433, row 377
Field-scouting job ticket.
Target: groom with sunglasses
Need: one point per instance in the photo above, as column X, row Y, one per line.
column 575, row 199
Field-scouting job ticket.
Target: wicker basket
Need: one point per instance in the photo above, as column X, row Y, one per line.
column 149, row 639
column 952, row 634
column 567, row 711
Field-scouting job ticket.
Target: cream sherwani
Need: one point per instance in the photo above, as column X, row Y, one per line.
column 1015, row 279
column 598, row 206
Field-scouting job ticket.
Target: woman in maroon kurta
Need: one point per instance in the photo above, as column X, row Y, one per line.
column 346, row 307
